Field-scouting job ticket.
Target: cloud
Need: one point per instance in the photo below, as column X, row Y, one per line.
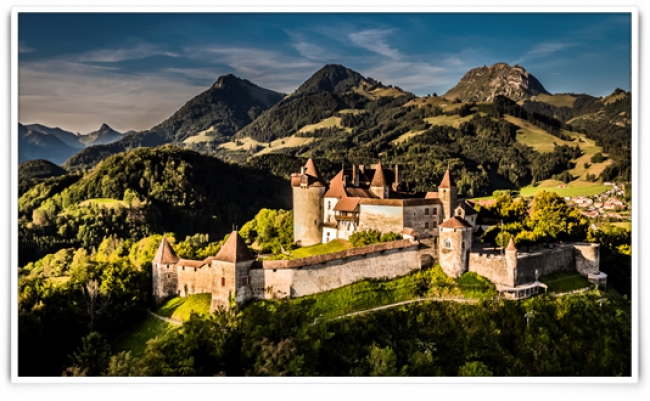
column 373, row 40
column 23, row 48
column 116, row 55
column 542, row 50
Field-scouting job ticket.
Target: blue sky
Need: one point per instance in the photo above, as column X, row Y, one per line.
column 132, row 71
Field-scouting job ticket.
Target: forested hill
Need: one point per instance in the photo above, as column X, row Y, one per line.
column 146, row 191
column 223, row 109
column 330, row 89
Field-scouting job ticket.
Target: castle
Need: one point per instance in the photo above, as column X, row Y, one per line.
column 436, row 226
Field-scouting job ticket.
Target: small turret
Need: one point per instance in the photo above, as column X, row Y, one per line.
column 448, row 194
column 378, row 185
column 164, row 272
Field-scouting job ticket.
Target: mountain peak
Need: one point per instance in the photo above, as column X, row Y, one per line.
column 485, row 83
column 226, row 80
column 332, row 78
column 105, row 127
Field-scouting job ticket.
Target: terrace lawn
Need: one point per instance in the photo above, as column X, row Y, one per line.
column 105, row 202
column 336, row 245
column 180, row 308
column 564, row 281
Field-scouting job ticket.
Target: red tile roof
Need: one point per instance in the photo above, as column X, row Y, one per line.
column 311, row 171
column 431, row 195
column 347, row 204
column 455, row 222
column 336, row 189
column 511, row 245
column 378, row 180
column 447, row 181
column 165, row 254
column 234, row 250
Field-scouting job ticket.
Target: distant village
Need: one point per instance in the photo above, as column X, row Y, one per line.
column 606, row 205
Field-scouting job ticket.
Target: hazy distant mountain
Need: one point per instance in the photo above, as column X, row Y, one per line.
column 484, row 83
column 226, row 107
column 33, row 144
column 66, row 137
column 104, row 135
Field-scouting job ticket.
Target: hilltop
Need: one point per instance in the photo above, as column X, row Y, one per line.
column 483, row 84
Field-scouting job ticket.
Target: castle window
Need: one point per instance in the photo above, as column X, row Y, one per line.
column 195, row 269
column 169, row 276
column 459, row 212
column 426, row 211
column 183, row 267
column 426, row 224
column 434, row 224
column 329, row 205
column 315, row 221
column 223, row 281
column 244, row 281
column 463, row 246
column 447, row 244
column 435, row 211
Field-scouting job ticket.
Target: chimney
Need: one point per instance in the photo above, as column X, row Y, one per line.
column 345, row 181
column 355, row 175
column 302, row 170
column 398, row 175
column 362, row 168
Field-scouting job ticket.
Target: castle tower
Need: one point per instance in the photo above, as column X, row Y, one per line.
column 308, row 189
column 231, row 272
column 511, row 262
column 165, row 274
column 455, row 242
column 378, row 185
column 448, row 194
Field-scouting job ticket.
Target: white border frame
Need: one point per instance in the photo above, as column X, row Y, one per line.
column 635, row 87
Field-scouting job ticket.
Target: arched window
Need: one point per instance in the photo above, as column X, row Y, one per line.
column 447, row 243
column 329, row 205
column 463, row 246
column 460, row 212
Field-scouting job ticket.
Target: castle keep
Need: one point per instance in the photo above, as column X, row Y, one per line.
column 436, row 226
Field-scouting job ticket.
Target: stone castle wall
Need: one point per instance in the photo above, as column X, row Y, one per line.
column 547, row 261
column 493, row 267
column 300, row 277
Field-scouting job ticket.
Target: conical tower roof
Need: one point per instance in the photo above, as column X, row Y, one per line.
column 379, row 179
column 312, row 171
column 447, row 181
column 234, row 250
column 511, row 245
column 165, row 254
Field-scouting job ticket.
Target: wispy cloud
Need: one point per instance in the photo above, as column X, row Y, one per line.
column 543, row 49
column 23, row 48
column 374, row 40
column 140, row 51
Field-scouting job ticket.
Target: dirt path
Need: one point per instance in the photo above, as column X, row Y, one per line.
column 166, row 319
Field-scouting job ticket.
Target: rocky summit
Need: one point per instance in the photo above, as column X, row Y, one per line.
column 484, row 83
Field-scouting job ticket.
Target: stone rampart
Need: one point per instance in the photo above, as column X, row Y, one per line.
column 493, row 267
column 300, row 277
column 546, row 261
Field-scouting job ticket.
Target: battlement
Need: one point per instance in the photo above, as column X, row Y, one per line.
column 342, row 255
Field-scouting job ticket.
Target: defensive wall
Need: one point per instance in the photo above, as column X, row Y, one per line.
column 509, row 271
column 314, row 274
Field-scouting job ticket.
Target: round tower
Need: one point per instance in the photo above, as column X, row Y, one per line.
column 448, row 195
column 308, row 189
column 511, row 264
column 164, row 272
column 455, row 242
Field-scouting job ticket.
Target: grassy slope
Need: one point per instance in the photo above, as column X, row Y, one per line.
column 336, row 245
column 325, row 123
column 564, row 281
column 568, row 191
column 556, row 100
column 181, row 308
column 136, row 339
column 105, row 202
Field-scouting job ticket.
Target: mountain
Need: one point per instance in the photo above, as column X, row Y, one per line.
column 33, row 144
column 35, row 171
column 484, row 83
column 104, row 135
column 226, row 107
column 333, row 78
column 329, row 90
column 66, row 137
